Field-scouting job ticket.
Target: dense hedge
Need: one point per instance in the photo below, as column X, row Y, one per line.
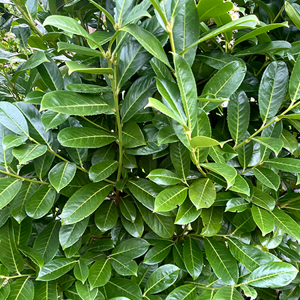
column 149, row 150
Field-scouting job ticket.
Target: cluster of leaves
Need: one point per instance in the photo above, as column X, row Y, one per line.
column 123, row 173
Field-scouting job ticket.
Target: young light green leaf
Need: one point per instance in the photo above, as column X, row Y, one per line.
column 164, row 177
column 169, row 198
column 11, row 140
column 226, row 171
column 207, row 10
column 9, row 188
column 203, row 142
column 28, row 152
column 202, row 193
column 148, row 41
column 81, row 68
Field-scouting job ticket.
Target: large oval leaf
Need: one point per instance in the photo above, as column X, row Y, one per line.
column 84, row 202
column 84, row 137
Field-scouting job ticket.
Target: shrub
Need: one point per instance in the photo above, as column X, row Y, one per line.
column 148, row 150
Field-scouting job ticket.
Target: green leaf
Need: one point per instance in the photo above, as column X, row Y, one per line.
column 180, row 157
column 22, row 289
column 121, row 287
column 135, row 228
column 259, row 31
column 284, row 164
column 81, row 271
column 102, row 170
column 107, row 14
column 273, row 275
column 161, row 279
column 9, row 255
column 169, row 198
column 267, row 177
column 11, row 140
column 51, row 119
column 33, row 254
column 263, row 219
column 12, row 118
column 193, row 257
column 137, row 97
column 9, row 188
column 106, row 216
column 71, row 103
column 82, row 88
column 45, row 290
column 40, row 202
column 292, row 11
column 222, row 262
column 124, row 266
column 164, row 109
column 100, row 273
column 251, row 257
column 163, row 226
column 240, row 186
column 188, row 90
column 131, row 248
column 207, row 10
column 228, row 293
column 244, row 22
column 184, row 292
column 84, row 291
column 212, row 220
column 249, row 291
column 22, row 32
column 34, row 97
column 263, row 200
column 28, row 152
column 238, row 115
column 272, row 90
column 158, row 253
column 206, row 295
column 51, row 75
column 203, row 141
column 226, row 171
column 202, row 193
column 132, row 135
column 81, row 68
column 187, row 213
column 47, row 242
column 144, row 191
column 224, row 83
column 78, row 49
column 55, row 269
column 164, row 177
column 286, row 223
column 84, row 137
column 84, row 202
column 35, row 60
column 274, row 144
column 61, row 175
column 70, row 234
column 128, row 209
column 67, row 24
column 148, row 41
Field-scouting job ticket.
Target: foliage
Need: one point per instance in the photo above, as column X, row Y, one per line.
column 149, row 150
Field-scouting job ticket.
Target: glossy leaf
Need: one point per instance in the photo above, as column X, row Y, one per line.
column 100, row 273
column 9, row 188
column 102, row 170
